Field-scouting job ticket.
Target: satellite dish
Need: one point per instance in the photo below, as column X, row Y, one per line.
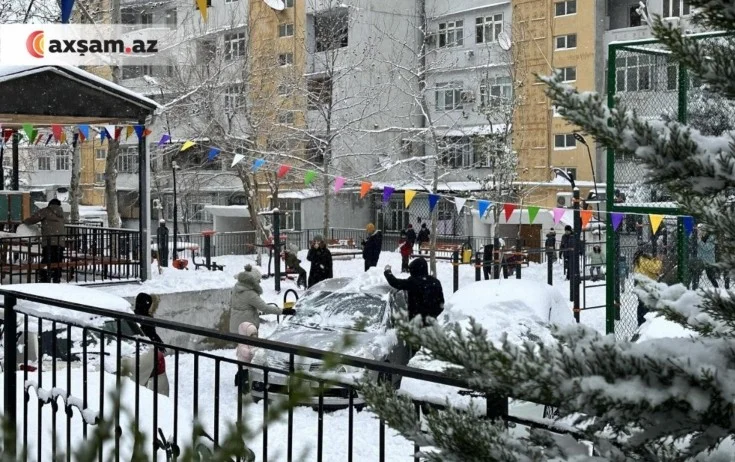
column 504, row 41
column 277, row 5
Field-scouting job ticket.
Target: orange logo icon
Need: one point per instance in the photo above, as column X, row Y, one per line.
column 34, row 44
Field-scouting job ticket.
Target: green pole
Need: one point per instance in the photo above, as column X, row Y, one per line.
column 612, row 264
column 681, row 245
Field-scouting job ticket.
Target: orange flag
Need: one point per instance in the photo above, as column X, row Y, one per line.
column 586, row 216
column 365, row 188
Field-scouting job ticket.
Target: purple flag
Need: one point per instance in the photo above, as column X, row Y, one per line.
column 617, row 218
column 387, row 192
column 164, row 139
column 558, row 214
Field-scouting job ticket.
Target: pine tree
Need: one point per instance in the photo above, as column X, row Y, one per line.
column 664, row 399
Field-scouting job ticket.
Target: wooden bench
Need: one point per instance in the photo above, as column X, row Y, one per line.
column 341, row 244
column 445, row 249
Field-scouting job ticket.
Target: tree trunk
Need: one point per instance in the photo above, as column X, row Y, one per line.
column 113, row 214
column 325, row 186
column 434, row 217
column 74, row 186
column 251, row 197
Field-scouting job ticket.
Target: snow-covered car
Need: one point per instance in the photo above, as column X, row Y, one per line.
column 67, row 345
column 325, row 315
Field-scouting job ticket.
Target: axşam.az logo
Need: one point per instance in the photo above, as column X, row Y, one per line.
column 35, row 43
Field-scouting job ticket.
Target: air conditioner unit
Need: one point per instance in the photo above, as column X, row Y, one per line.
column 467, row 96
column 564, row 200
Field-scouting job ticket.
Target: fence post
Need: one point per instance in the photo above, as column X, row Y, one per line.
column 9, row 380
column 550, row 270
column 575, row 279
column 496, row 258
column 277, row 249
column 455, row 269
column 478, row 266
column 518, row 268
column 208, row 247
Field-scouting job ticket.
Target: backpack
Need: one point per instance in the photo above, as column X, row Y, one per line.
column 431, row 296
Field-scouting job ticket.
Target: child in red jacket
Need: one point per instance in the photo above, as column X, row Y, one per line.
column 405, row 247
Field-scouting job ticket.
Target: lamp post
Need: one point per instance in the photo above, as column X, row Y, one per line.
column 175, row 255
column 581, row 139
column 574, row 278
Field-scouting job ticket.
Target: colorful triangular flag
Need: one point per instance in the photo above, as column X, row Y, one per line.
column 164, row 139
column 236, row 160
column 212, row 154
column 66, row 8
column 433, row 200
column 56, row 131
column 532, row 212
column 84, row 131
column 283, row 170
column 48, row 138
column 36, row 138
column 558, row 214
column 688, row 223
column 616, row 218
column 508, row 209
column 139, row 130
column 586, row 216
column 202, row 4
column 459, row 203
column 110, row 131
column 482, row 207
column 655, row 222
column 28, row 130
column 365, row 188
column 257, row 163
column 338, row 183
column 309, row 177
column 118, row 132
column 187, row 144
column 387, row 192
column 408, row 196
column 129, row 131
column 147, row 132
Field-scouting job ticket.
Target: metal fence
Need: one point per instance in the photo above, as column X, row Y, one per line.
column 83, row 254
column 57, row 396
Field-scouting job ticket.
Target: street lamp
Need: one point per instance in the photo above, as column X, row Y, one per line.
column 581, row 139
column 174, row 167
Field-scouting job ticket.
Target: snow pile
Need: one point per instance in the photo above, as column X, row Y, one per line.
column 657, row 327
column 367, row 280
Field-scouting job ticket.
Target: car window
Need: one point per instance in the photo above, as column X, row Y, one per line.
column 126, row 328
column 341, row 310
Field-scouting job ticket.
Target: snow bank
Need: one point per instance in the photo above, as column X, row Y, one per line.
column 657, row 327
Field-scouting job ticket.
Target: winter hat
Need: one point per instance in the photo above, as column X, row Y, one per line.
column 370, row 228
column 319, row 238
column 410, row 226
column 293, row 248
column 567, row 228
column 423, row 225
column 250, row 277
column 162, row 221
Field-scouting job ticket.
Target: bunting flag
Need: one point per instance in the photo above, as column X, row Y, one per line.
column 532, row 212
column 187, row 144
column 283, row 170
column 688, row 223
column 202, row 5
column 118, row 132
column 147, row 132
column 433, row 200
column 257, row 163
column 56, row 130
column 102, row 135
column 408, row 196
column 459, row 203
column 236, row 160
column 558, row 214
column 7, row 135
column 129, row 131
column 586, row 216
column 48, row 138
column 212, row 154
column 655, row 222
column 482, row 207
column 84, row 130
column 28, row 130
column 110, row 131
column 338, row 183
column 616, row 218
column 164, row 139
column 309, row 177
column 365, row 188
column 66, row 7
column 63, row 137
column 36, row 138
column 387, row 192
column 508, row 209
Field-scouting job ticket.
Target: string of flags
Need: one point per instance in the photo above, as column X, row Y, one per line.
column 82, row 132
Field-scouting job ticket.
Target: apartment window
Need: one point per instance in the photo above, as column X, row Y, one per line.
column 633, row 73
column 146, row 19
column 171, row 17
column 676, row 8
column 635, row 16
column 448, row 96
column 234, row 45
column 456, row 152
column 315, row 151
column 451, row 34
column 566, row 7
column 320, row 93
column 289, row 3
column 331, row 30
column 230, row 1
column 565, row 141
column 196, row 5
column 194, row 208
column 290, row 213
column 569, row 74
column 232, row 97
column 285, row 59
column 100, row 154
column 487, row 28
column 286, row 118
column 565, row 42
column 206, row 51
column 99, row 178
column 496, row 91
column 132, row 72
column 63, row 161
column 285, row 30
column 127, row 160
column 44, row 161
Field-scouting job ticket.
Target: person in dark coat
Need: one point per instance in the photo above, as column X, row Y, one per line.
column 146, row 305
column 411, row 236
column 550, row 245
column 321, row 261
column 53, row 234
column 152, row 363
column 162, row 240
column 372, row 246
column 566, row 248
column 487, row 260
column 425, row 294
column 423, row 236
column 293, row 263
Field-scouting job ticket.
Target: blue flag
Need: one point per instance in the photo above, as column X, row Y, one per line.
column 212, row 154
column 66, row 7
column 688, row 223
column 433, row 199
column 482, row 207
column 84, row 130
column 139, row 130
column 257, row 164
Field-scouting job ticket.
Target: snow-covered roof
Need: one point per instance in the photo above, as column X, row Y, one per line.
column 228, row 210
column 475, row 130
column 303, row 194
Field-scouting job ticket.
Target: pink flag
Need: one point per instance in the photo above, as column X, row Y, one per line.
column 558, row 213
column 338, row 183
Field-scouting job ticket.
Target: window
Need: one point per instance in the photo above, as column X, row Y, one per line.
column 676, row 8
column 132, row 72
column 100, row 154
column 331, row 30
column 320, row 93
column 569, row 74
column 633, row 73
column 206, row 51
column 234, row 45
column 635, row 17
column 285, row 59
column 193, row 208
column 566, row 7
column 196, row 5
column 230, row 1
column 63, row 160
column 565, row 141
column 393, row 216
column 146, row 18
column 448, row 96
column 488, row 28
column 99, row 178
column 292, row 210
column 289, row 3
column 44, row 161
column 285, row 30
column 451, row 34
column 127, row 160
column 456, row 152
column 496, row 91
column 315, row 151
column 672, row 77
column 171, row 17
column 232, row 98
column 286, row 118
column 565, row 42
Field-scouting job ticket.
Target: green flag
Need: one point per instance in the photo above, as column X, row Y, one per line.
column 309, row 177
column 532, row 212
column 28, row 129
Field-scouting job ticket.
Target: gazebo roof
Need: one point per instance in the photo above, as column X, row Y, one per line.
column 53, row 94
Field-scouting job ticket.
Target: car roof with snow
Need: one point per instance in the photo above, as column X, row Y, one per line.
column 353, row 285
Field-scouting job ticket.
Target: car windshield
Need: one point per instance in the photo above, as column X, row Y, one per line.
column 335, row 310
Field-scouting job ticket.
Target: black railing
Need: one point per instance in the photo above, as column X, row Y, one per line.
column 82, row 254
column 76, row 394
column 227, row 243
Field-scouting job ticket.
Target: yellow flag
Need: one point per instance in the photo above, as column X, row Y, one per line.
column 655, row 222
column 409, row 195
column 202, row 4
column 187, row 145
column 128, row 131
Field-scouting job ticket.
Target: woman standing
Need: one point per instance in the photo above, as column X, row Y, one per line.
column 321, row 261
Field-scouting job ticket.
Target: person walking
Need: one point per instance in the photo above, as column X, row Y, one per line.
column 405, row 248
column 425, row 294
column 162, row 241
column 705, row 258
column 152, row 364
column 487, row 260
column 423, row 237
column 597, row 261
column 371, row 246
column 550, row 245
column 566, row 248
column 294, row 264
column 321, row 261
column 53, row 235
column 411, row 236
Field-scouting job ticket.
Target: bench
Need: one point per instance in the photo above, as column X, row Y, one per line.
column 341, row 244
column 442, row 248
